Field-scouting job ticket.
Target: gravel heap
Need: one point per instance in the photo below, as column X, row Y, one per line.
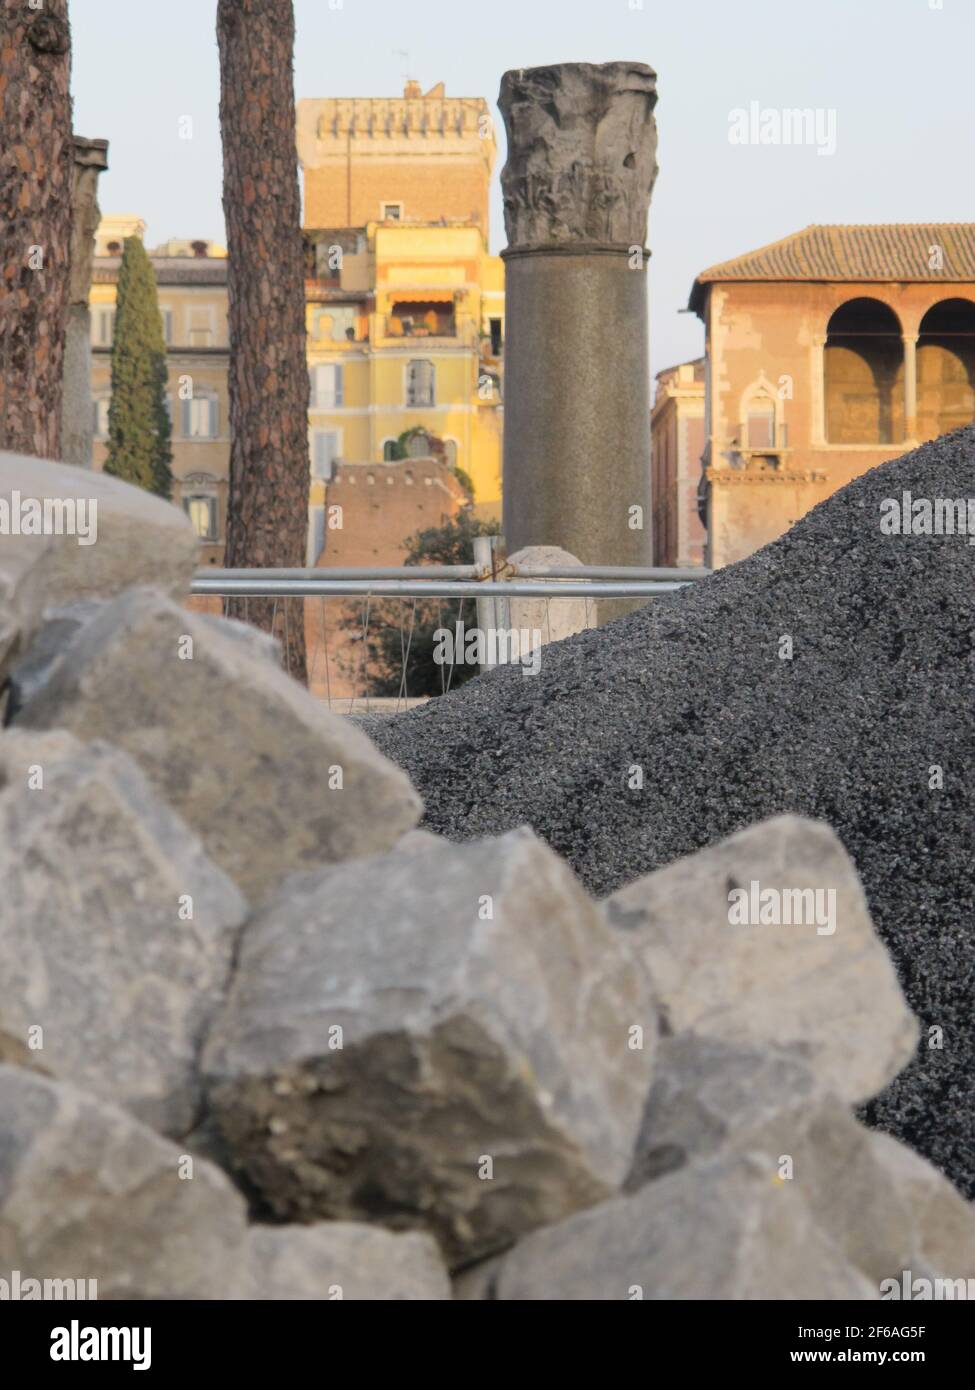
column 693, row 691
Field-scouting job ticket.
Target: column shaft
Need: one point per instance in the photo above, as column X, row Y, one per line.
column 577, row 407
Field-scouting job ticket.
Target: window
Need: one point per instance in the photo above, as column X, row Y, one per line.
column 760, row 426
column 495, row 327
column 167, row 325
column 200, row 328
column 337, row 323
column 419, row 383
column 391, row 212
column 389, row 450
column 419, row 445
column 104, row 327
column 422, row 318
column 450, row 452
column 326, row 386
column 324, row 452
column 100, row 411
column 200, row 418
column 202, row 512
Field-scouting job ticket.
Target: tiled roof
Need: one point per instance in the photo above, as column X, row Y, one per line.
column 892, row 251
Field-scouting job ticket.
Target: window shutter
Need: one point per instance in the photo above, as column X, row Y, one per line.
column 419, row 382
column 338, row 374
column 186, row 414
column 214, row 405
column 324, row 450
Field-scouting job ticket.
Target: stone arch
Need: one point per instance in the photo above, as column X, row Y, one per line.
column 946, row 368
column 863, row 367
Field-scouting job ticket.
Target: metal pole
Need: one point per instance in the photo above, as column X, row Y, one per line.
column 487, row 619
column 357, row 572
column 256, row 585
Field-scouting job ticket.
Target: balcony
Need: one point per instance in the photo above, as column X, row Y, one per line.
column 427, row 329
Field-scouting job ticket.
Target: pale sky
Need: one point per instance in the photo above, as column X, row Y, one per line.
column 896, row 73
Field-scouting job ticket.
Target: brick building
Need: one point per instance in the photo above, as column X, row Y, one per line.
column 827, row 353
column 373, row 510
column 677, row 443
column 421, row 157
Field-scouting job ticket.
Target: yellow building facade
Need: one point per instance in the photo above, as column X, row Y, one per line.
column 192, row 288
column 405, row 304
column 404, row 307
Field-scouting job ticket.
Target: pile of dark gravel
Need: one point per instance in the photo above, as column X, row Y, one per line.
column 693, row 690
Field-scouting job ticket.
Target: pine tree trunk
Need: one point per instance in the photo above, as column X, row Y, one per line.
column 36, row 185
column 269, row 469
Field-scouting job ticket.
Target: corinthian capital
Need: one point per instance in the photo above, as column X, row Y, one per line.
column 582, row 146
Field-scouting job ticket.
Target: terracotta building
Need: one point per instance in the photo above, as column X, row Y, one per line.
column 828, row 353
column 378, row 507
column 677, row 444
column 421, row 157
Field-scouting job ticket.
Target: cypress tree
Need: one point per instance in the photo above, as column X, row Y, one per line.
column 139, row 429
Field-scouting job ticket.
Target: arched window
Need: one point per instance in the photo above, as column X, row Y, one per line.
column 864, row 374
column 450, row 451
column 946, row 368
column 418, row 446
column 389, row 450
column 761, row 429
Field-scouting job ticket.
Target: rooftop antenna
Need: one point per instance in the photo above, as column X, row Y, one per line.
column 405, row 55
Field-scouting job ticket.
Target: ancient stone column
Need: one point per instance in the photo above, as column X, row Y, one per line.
column 581, row 167
column 77, row 424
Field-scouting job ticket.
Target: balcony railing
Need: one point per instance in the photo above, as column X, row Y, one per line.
column 413, row 333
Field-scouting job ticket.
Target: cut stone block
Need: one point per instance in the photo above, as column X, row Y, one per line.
column 944, row 1222
column 86, row 1192
column 22, row 561
column 832, row 995
column 710, row 1099
column 418, row 840
column 60, row 625
column 477, row 1283
column 116, row 931
column 708, row 1093
column 33, row 671
column 252, row 639
column 446, row 1038
column 718, row 1230
column 554, row 618
column 344, row 1260
column 270, row 781
column 137, row 538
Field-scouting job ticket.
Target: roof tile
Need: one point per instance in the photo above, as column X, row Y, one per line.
column 895, row 251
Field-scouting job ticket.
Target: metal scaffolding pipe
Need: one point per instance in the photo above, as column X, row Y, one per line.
column 259, row 585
